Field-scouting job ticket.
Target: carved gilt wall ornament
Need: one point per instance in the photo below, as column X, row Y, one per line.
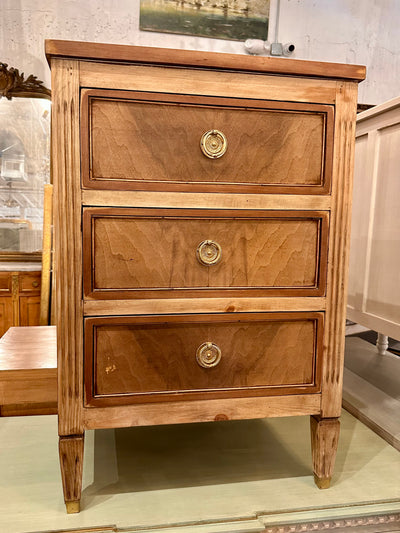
column 13, row 83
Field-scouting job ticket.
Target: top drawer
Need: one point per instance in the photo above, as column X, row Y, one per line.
column 148, row 141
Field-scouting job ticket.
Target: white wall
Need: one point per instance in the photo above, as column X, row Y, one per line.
column 365, row 32
column 344, row 31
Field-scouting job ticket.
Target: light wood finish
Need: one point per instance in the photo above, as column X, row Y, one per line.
column 205, row 410
column 68, row 269
column 45, row 294
column 324, row 442
column 139, row 359
column 21, row 347
column 204, row 200
column 201, row 305
column 28, row 371
column 71, row 461
column 339, row 242
column 206, row 82
column 130, row 141
column 374, row 288
column 178, row 194
column 279, row 252
column 187, row 58
column 19, row 299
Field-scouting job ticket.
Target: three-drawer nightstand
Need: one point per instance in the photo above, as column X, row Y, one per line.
column 202, row 206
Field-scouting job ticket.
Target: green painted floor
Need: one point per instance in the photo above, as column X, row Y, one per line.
column 216, row 477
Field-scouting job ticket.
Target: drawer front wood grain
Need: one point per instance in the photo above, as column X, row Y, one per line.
column 152, row 142
column 136, row 253
column 30, row 282
column 5, row 283
column 147, row 359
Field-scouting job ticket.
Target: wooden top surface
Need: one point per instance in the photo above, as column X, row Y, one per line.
column 389, row 105
column 197, row 59
column 30, row 347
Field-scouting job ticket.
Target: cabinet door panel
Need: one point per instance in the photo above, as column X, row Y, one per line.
column 29, row 310
column 6, row 313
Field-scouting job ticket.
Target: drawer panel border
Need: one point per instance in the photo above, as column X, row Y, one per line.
column 90, row 324
column 90, row 213
column 88, row 182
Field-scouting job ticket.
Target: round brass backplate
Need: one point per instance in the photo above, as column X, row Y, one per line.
column 209, row 253
column 213, row 144
column 208, row 355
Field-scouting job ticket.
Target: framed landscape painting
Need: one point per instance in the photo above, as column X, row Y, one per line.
column 236, row 20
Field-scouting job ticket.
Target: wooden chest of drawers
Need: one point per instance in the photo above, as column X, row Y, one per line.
column 202, row 211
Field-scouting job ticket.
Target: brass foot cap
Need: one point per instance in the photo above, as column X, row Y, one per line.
column 322, row 482
column 73, row 507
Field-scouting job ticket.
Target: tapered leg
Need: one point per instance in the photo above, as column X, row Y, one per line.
column 324, row 442
column 71, row 461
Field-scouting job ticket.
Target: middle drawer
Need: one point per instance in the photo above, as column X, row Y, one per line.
column 145, row 253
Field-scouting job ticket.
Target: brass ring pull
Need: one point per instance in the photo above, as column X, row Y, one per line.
column 208, row 355
column 213, row 144
column 35, row 284
column 209, row 253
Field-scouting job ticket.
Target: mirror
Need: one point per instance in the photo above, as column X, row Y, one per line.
column 24, row 164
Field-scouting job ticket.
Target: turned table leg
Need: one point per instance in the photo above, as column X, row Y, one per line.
column 382, row 343
column 71, row 461
column 324, row 442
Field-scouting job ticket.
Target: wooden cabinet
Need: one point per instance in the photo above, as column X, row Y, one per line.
column 202, row 206
column 374, row 279
column 19, row 299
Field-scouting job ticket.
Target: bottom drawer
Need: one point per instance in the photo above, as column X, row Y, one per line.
column 146, row 359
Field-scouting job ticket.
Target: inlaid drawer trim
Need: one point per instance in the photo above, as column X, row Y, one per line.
column 153, row 253
column 139, row 359
column 151, row 141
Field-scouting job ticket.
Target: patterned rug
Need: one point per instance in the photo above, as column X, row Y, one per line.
column 369, row 524
column 387, row 523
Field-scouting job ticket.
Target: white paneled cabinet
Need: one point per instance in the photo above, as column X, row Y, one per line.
column 374, row 277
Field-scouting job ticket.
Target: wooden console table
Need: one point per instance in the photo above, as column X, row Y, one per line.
column 28, row 371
